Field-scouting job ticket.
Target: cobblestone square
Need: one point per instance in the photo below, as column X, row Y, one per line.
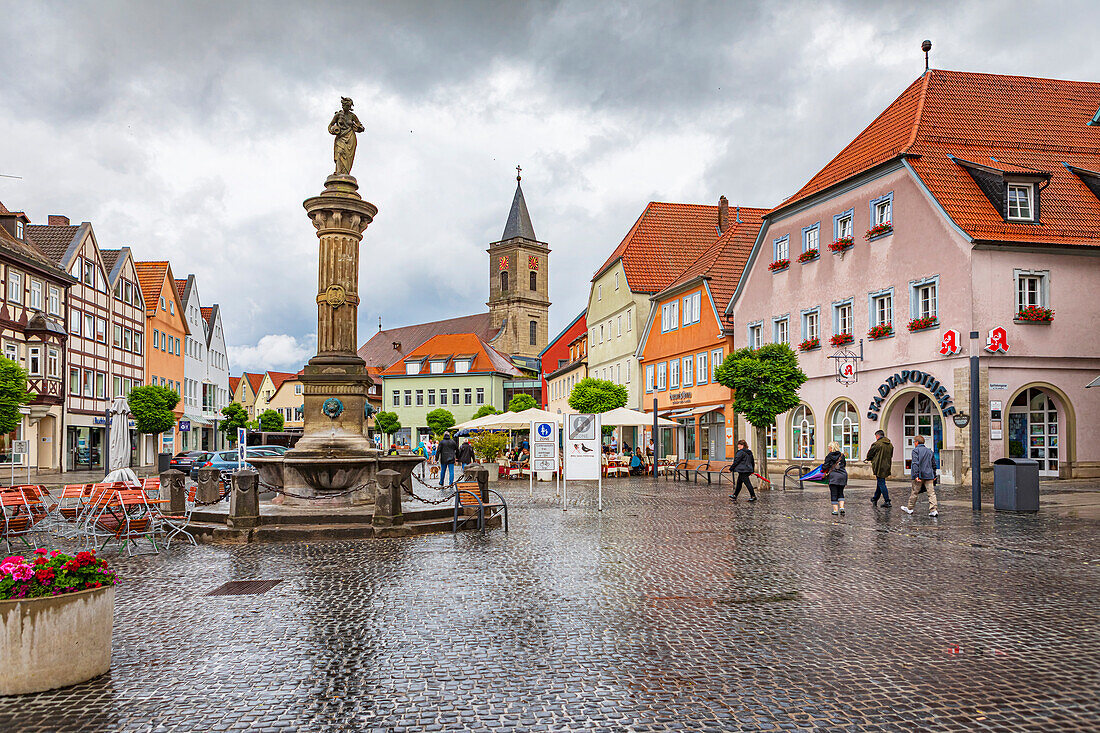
column 673, row 609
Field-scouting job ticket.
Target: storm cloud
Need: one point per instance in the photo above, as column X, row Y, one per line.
column 193, row 131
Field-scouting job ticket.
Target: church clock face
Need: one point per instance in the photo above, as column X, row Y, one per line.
column 533, row 263
column 503, row 265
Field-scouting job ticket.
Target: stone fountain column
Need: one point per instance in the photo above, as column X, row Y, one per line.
column 333, row 453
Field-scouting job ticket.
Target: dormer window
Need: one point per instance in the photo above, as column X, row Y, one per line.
column 1020, row 203
column 437, row 367
column 462, row 366
column 18, row 229
column 412, row 367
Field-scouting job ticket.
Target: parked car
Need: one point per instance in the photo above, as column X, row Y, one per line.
column 198, row 463
column 226, row 461
column 183, row 460
column 280, row 449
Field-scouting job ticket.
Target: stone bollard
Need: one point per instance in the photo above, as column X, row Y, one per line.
column 209, row 485
column 387, row 504
column 481, row 475
column 172, row 487
column 244, row 500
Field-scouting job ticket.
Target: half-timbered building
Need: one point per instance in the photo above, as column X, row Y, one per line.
column 127, row 368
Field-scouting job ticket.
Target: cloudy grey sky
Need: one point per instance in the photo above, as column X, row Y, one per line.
column 193, row 131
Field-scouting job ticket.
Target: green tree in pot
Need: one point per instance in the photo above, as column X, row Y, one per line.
column 152, row 407
column 13, row 394
column 765, row 384
column 440, row 420
column 271, row 421
column 597, row 395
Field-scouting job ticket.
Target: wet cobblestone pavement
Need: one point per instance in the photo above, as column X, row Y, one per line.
column 672, row 610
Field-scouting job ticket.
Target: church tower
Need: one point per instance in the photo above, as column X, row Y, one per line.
column 519, row 284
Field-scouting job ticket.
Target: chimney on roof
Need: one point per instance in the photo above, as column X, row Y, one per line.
column 57, row 220
column 397, row 346
column 738, row 214
column 723, row 214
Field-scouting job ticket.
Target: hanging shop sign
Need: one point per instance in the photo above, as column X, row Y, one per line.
column 951, row 342
column 960, row 419
column 997, row 340
column 914, row 376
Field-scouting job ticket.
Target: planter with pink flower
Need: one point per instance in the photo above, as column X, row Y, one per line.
column 56, row 618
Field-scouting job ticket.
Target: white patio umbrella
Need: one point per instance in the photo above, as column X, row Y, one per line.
column 479, row 422
column 118, row 442
column 624, row 417
column 516, row 420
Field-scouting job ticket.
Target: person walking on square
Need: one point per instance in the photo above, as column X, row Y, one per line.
column 465, row 455
column 923, row 467
column 447, row 451
column 836, row 466
column 743, row 465
column 880, row 455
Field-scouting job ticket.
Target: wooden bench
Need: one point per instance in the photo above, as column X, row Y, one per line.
column 681, row 468
column 709, row 470
column 468, row 496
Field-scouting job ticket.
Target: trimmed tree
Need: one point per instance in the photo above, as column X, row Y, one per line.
column 522, row 402
column 235, row 417
column 765, row 384
column 440, row 420
column 387, row 423
column 13, row 394
column 487, row 446
column 486, row 410
column 597, row 395
column 271, row 421
column 152, row 407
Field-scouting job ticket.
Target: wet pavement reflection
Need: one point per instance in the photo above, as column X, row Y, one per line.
column 674, row 609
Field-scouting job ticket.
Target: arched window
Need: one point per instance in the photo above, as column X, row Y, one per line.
column 845, row 429
column 802, row 432
column 534, row 280
column 771, row 442
column 504, row 281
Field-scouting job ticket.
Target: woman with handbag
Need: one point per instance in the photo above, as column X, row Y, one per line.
column 836, row 467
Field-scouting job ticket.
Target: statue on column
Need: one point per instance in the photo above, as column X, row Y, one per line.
column 344, row 125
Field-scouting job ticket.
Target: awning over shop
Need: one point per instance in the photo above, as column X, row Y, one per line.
column 196, row 422
column 1093, row 383
column 704, row 410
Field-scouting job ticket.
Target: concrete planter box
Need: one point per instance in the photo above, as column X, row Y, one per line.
column 55, row 641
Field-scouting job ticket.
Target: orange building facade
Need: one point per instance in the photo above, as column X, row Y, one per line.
column 686, row 339
column 165, row 329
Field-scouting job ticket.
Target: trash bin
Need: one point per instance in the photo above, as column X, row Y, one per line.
column 1016, row 485
column 163, row 462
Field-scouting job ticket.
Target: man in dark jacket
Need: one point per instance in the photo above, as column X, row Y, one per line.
column 881, row 455
column 465, row 455
column 447, row 451
column 923, row 465
column 743, row 465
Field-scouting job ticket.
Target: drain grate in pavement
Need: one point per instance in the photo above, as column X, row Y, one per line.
column 244, row 587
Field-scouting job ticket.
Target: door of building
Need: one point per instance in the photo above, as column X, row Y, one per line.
column 921, row 417
column 1033, row 430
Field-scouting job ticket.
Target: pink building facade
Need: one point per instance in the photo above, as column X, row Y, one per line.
column 959, row 249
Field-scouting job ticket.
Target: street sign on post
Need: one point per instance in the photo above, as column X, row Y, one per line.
column 544, row 448
column 242, row 437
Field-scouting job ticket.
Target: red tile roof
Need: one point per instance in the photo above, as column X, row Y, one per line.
column 1015, row 124
column 485, row 357
column 664, row 240
column 379, row 351
column 53, row 240
column 254, row 381
column 723, row 263
column 277, row 378
column 181, row 285
column 151, row 279
column 233, row 382
column 207, row 312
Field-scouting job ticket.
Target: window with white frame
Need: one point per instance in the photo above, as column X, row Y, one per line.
column 408, row 398
column 691, row 308
column 53, row 362
column 462, row 366
column 662, row 375
column 628, row 372
column 1032, row 288
column 882, row 210
column 36, row 294
column 628, row 321
column 756, row 335
column 781, row 330
column 34, row 361
column 601, row 333
column 649, row 378
column 689, row 370
column 701, row 372
column 1019, row 201
column 781, row 248
column 715, row 362
column 480, row 396
column 599, row 292
column 844, row 425
column 670, row 316
column 802, row 433
column 923, row 297
column 842, row 317
column 842, row 224
column 53, row 306
column 419, row 398
column 18, row 229
column 15, row 286
column 811, row 237
column 442, row 396
column 881, row 307
column 771, row 441
column 616, row 281
column 810, row 328
column 674, row 374
column 619, row 326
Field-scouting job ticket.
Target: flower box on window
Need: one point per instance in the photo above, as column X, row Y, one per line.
column 878, row 230
column 809, row 255
column 809, row 344
column 919, row 324
column 882, row 330
column 779, row 265
column 842, row 244
column 1035, row 314
column 840, row 340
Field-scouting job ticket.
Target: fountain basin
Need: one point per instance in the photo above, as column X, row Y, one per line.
column 325, row 479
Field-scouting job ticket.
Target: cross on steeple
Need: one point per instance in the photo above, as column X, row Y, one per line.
column 518, row 169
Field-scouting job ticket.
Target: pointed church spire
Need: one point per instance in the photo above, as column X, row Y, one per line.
column 519, row 221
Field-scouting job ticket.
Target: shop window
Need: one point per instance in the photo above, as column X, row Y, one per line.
column 771, row 441
column 844, row 429
column 802, row 433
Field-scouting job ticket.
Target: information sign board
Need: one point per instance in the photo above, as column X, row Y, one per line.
column 22, row 447
column 544, row 444
column 582, row 447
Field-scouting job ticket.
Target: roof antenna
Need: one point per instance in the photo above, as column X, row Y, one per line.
column 738, row 217
column 518, row 170
column 379, row 323
column 926, row 46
